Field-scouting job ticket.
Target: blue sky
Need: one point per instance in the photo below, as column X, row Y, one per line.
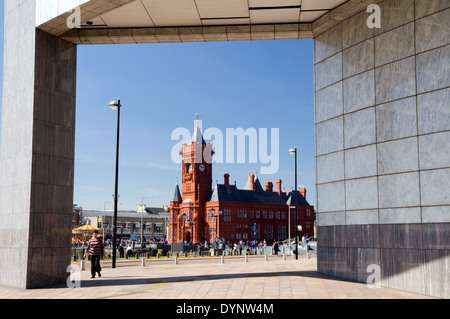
column 259, row 84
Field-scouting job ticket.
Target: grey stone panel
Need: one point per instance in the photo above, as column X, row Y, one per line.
column 427, row 7
column 433, row 69
column 358, row 58
column 396, row 119
column 433, row 111
column 361, row 162
column 433, row 31
column 394, row 45
column 395, row 80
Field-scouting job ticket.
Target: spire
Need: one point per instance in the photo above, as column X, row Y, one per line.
column 177, row 194
column 197, row 136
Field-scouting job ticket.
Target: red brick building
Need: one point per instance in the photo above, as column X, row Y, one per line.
column 203, row 213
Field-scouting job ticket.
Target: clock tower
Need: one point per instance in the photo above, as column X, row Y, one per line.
column 196, row 187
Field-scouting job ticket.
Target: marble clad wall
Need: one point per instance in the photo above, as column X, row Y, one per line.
column 383, row 146
column 37, row 155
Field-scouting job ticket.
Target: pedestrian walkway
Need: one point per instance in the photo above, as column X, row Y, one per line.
column 211, row 278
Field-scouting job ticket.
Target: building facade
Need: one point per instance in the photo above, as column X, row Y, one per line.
column 151, row 222
column 201, row 213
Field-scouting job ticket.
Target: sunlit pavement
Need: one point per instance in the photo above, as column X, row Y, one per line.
column 210, row 278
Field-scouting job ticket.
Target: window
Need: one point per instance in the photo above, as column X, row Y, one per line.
column 265, row 214
column 268, row 231
column 258, row 214
column 281, row 232
column 270, row 215
column 277, row 215
column 242, row 213
column 283, row 215
column 227, row 215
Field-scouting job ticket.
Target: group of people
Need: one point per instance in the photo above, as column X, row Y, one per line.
column 249, row 247
column 96, row 249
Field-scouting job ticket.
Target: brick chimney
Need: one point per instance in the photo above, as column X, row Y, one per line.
column 252, row 182
column 279, row 186
column 269, row 187
column 303, row 192
column 226, row 178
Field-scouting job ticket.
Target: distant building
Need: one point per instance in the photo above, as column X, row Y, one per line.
column 200, row 213
column 129, row 223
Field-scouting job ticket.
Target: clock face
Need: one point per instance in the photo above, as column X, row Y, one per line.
column 202, row 167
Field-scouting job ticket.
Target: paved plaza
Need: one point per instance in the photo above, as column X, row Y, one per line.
column 210, row 278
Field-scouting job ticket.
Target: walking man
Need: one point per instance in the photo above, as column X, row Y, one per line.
column 96, row 250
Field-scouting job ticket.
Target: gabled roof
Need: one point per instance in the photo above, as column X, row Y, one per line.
column 221, row 194
column 290, row 198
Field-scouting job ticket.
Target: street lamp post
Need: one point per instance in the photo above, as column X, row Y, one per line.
column 104, row 221
column 294, row 151
column 142, row 219
column 116, row 106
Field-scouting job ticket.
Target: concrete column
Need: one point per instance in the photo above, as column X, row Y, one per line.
column 37, row 152
column 382, row 154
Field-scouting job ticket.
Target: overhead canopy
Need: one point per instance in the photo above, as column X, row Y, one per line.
column 146, row 21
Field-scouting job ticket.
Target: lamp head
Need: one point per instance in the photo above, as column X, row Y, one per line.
column 292, row 151
column 113, row 105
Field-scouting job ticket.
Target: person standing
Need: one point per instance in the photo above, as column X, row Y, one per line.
column 96, row 251
column 275, row 247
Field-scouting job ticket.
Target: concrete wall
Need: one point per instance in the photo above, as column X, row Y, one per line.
column 37, row 154
column 382, row 146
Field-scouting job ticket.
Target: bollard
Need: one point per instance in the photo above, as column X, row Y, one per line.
column 137, row 256
column 284, row 257
column 143, row 262
column 176, row 260
column 81, row 264
column 246, row 258
column 157, row 255
column 266, row 258
column 222, row 259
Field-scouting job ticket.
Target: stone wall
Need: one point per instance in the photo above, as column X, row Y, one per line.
column 382, row 146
